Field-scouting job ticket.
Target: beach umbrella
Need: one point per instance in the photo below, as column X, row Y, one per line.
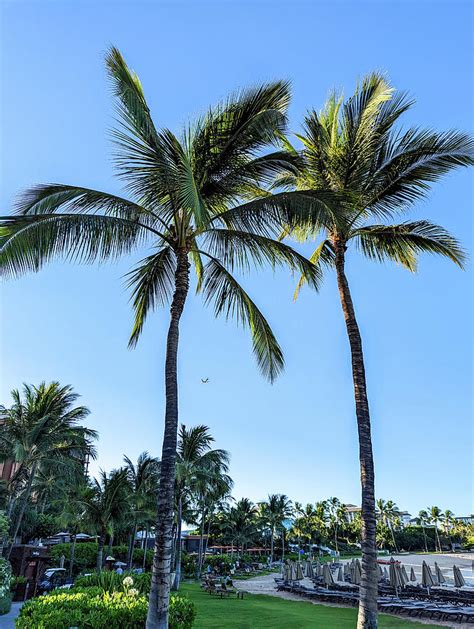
column 347, row 570
column 439, row 574
column 327, row 576
column 412, row 575
column 427, row 580
column 356, row 577
column 340, row 575
column 459, row 581
column 395, row 576
column 317, row 569
column 309, row 572
column 299, row 571
column 404, row 574
column 385, row 573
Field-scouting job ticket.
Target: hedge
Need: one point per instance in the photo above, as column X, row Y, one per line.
column 5, row 579
column 88, row 608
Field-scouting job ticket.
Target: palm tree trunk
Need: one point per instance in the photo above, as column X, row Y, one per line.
column 131, row 546
column 424, row 535
column 283, row 545
column 23, row 507
column 393, row 537
column 271, row 547
column 201, row 544
column 367, row 618
column 100, row 553
column 71, row 556
column 145, row 549
column 177, row 577
column 160, row 582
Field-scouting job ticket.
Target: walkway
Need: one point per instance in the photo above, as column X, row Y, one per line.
column 8, row 621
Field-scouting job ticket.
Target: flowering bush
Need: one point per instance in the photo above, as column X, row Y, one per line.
column 5, row 579
column 86, row 607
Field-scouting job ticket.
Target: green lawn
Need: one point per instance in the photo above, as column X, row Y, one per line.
column 269, row 612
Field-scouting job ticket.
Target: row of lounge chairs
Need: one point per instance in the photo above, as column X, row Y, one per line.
column 432, row 609
column 220, row 589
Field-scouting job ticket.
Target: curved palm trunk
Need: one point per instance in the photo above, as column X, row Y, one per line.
column 160, row 582
column 367, row 618
column 23, row 508
column 271, row 545
column 131, row 546
column 100, row 553
column 72, row 555
column 145, row 549
column 424, row 536
column 177, row 577
column 201, row 545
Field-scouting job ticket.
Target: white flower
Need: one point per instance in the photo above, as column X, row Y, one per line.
column 133, row 592
column 128, row 581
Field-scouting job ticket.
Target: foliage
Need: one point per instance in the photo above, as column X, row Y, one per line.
column 5, row 581
column 90, row 607
column 109, row 581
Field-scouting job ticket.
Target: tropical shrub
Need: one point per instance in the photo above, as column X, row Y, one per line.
column 86, row 607
column 113, row 582
column 5, row 579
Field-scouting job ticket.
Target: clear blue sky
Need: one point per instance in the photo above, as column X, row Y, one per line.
column 72, row 323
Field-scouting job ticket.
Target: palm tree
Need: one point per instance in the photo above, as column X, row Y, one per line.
column 39, row 430
column 435, row 516
column 274, row 511
column 185, row 196
column 143, row 481
column 334, row 507
column 448, row 521
column 240, row 523
column 388, row 511
column 105, row 503
column 375, row 172
column 197, row 465
column 423, row 520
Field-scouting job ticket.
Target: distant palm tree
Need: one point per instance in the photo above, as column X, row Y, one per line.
column 41, row 429
column 423, row 520
column 333, row 506
column 106, row 502
column 435, row 516
column 197, row 464
column 185, row 196
column 274, row 511
column 143, row 483
column 375, row 173
column 388, row 511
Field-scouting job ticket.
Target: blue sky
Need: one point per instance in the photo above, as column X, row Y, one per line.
column 72, row 323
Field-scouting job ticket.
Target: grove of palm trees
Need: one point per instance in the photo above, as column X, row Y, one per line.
column 237, row 189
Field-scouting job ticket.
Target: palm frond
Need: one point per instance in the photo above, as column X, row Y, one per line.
column 231, row 300
column 28, row 242
column 402, row 243
column 152, row 284
column 242, row 250
column 412, row 163
column 323, row 256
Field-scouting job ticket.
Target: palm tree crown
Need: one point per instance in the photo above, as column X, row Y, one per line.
column 183, row 203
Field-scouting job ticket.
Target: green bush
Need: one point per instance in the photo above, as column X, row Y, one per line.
column 85, row 555
column 86, row 608
column 5, row 580
column 113, row 582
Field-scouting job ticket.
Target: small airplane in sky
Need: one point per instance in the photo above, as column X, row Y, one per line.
column 204, row 380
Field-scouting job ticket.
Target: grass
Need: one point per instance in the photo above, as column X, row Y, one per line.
column 259, row 611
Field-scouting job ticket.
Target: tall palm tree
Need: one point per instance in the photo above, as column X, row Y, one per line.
column 106, row 502
column 336, row 512
column 435, row 516
column 240, row 523
column 274, row 511
column 197, row 465
column 388, row 511
column 42, row 429
column 375, row 172
column 143, row 482
column 423, row 520
column 184, row 203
